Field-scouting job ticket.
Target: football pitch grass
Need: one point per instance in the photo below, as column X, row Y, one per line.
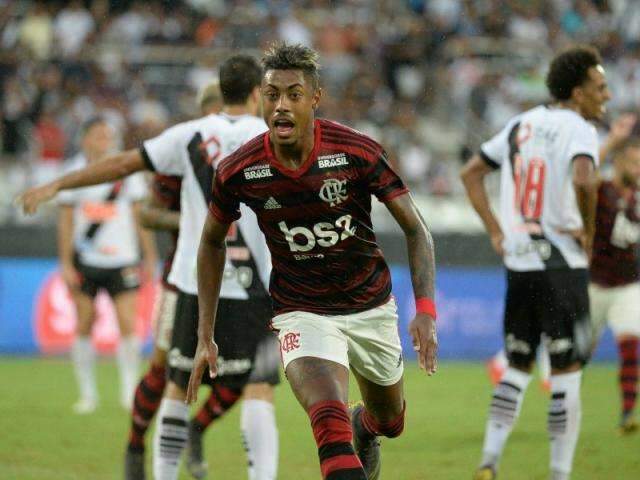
column 41, row 439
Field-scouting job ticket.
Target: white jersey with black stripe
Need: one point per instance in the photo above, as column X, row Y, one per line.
column 192, row 150
column 535, row 151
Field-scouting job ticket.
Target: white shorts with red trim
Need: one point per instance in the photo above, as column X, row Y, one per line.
column 619, row 307
column 366, row 341
column 163, row 317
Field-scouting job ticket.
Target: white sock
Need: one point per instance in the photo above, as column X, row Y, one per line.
column 128, row 358
column 170, row 438
column 565, row 414
column 505, row 408
column 258, row 425
column 83, row 357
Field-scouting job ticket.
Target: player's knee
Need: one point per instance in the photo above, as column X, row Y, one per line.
column 258, row 391
column 158, row 357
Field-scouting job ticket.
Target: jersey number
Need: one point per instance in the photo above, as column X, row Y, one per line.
column 529, row 187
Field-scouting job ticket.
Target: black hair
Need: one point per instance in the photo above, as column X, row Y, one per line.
column 282, row 56
column 239, row 76
column 570, row 69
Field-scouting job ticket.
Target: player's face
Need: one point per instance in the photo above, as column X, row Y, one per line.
column 288, row 102
column 593, row 94
column 629, row 166
column 99, row 140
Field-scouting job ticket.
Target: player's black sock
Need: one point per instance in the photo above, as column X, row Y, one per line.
column 145, row 405
column 332, row 430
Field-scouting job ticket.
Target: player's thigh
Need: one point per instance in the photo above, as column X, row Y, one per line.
column 624, row 314
column 374, row 347
column 600, row 301
column 184, row 340
column 125, row 304
column 85, row 310
column 567, row 321
column 314, row 354
column 522, row 322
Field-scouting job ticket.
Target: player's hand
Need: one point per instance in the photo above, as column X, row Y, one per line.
column 621, row 128
column 582, row 237
column 206, row 356
column 425, row 341
column 497, row 239
column 70, row 275
column 31, row 199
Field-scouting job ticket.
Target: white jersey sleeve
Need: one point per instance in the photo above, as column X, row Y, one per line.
column 496, row 150
column 584, row 141
column 165, row 152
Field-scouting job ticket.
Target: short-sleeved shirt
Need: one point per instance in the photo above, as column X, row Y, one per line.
column 614, row 262
column 535, row 152
column 192, row 150
column 115, row 242
column 166, row 190
column 316, row 219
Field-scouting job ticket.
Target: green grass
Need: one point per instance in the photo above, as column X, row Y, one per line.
column 41, row 439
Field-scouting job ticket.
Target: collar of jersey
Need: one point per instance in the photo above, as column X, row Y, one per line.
column 297, row 173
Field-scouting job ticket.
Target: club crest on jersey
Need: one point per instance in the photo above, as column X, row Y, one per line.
column 334, row 191
column 335, row 160
column 257, row 171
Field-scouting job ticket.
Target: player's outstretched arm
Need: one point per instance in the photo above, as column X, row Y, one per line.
column 211, row 259
column 108, row 169
column 472, row 176
column 422, row 264
column 621, row 129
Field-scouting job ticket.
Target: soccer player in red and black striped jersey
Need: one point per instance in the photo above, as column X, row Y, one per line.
column 614, row 290
column 309, row 182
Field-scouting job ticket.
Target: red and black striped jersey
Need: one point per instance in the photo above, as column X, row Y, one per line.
column 316, row 219
column 614, row 261
column 166, row 190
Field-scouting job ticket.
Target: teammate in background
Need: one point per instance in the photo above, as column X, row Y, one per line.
column 548, row 156
column 98, row 235
column 310, row 181
column 614, row 289
column 190, row 150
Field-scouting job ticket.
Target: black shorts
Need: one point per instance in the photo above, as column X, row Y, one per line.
column 267, row 363
column 113, row 280
column 240, row 325
column 550, row 302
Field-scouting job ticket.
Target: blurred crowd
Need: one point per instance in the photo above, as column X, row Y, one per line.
column 430, row 79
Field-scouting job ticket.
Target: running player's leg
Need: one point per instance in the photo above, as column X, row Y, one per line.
column 624, row 320
column 257, row 418
column 314, row 353
column 128, row 351
column 82, row 352
column 148, row 393
column 522, row 336
column 567, row 324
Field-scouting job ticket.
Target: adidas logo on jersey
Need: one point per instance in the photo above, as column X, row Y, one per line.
column 335, row 160
column 271, row 204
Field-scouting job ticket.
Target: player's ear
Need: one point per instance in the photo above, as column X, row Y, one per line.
column 317, row 94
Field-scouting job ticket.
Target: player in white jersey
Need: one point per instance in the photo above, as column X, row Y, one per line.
column 548, row 158
column 191, row 150
column 98, row 236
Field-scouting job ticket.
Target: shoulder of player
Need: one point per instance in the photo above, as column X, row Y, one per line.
column 336, row 136
column 248, row 154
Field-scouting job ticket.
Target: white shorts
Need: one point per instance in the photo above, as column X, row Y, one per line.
column 366, row 341
column 619, row 307
column 163, row 317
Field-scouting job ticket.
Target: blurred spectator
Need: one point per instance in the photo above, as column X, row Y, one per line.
column 36, row 31
column 72, row 26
